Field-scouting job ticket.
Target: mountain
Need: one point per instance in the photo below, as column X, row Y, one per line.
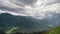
column 54, row 19
column 23, row 23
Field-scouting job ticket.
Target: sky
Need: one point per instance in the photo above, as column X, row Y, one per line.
column 40, row 9
column 35, row 8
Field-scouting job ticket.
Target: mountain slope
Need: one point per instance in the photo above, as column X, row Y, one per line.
column 23, row 23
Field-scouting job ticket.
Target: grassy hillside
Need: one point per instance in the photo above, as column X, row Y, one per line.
column 55, row 30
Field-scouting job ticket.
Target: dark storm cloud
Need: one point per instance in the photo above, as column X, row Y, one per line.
column 6, row 6
column 28, row 2
column 11, row 9
column 23, row 2
column 15, row 5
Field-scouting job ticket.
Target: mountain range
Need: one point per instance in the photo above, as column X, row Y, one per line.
column 23, row 23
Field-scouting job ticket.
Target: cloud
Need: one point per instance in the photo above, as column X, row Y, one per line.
column 34, row 8
column 15, row 5
column 29, row 7
column 49, row 2
column 6, row 5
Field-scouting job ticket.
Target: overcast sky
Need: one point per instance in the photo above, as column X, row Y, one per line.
column 34, row 8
